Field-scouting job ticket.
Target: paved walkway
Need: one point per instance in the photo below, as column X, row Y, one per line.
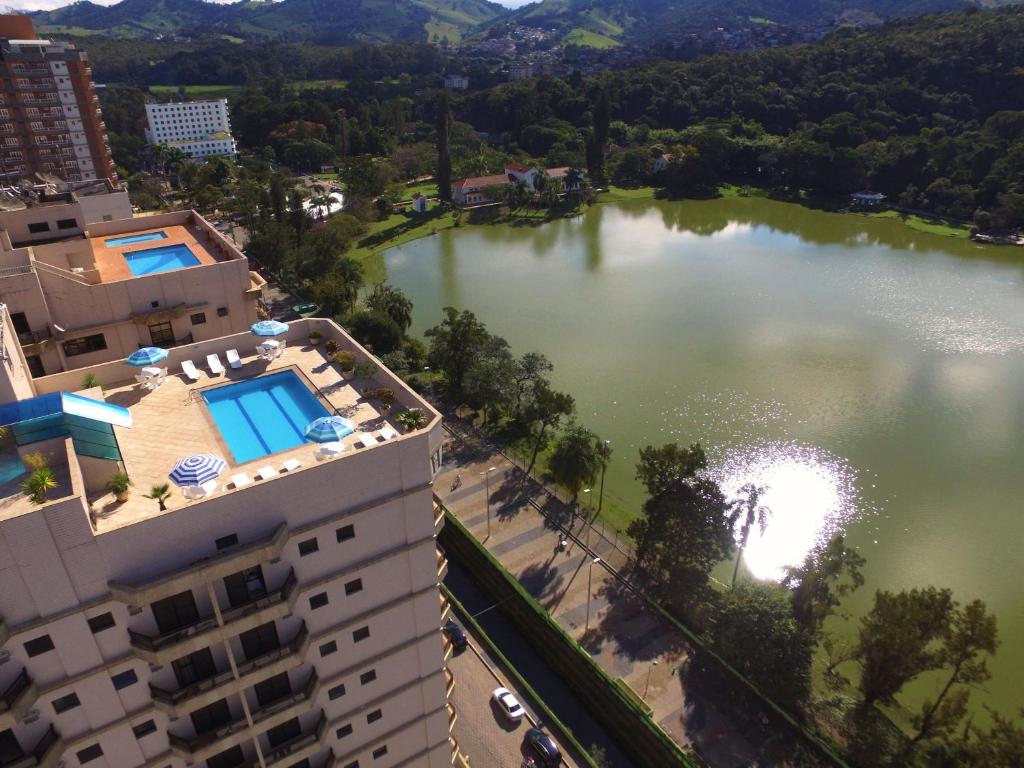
column 629, row 640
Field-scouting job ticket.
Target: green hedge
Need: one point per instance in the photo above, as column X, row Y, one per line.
column 550, row 720
column 638, row 736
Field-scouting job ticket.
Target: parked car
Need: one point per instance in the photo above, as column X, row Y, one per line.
column 543, row 748
column 508, row 704
column 455, row 634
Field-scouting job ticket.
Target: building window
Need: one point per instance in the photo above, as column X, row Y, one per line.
column 368, row 677
column 161, row 334
column 144, row 729
column 89, row 753
column 67, row 224
column 345, row 533
column 356, row 585
column 308, row 547
column 374, row 716
column 199, row 318
column 360, row 634
column 345, row 730
column 101, row 622
column 64, row 703
column 124, row 679
column 379, row 752
column 38, row 646
column 318, row 601
column 353, row 764
column 328, row 648
column 38, row 227
column 222, row 311
column 224, row 542
column 95, row 343
column 336, row 692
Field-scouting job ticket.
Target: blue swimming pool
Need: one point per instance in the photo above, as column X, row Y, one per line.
column 149, row 261
column 116, row 242
column 263, row 415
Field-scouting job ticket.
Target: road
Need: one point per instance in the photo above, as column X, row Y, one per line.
column 559, row 697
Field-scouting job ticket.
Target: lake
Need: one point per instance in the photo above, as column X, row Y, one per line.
column 871, row 377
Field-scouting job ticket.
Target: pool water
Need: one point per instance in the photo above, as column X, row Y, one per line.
column 149, row 261
column 11, row 467
column 263, row 415
column 116, row 242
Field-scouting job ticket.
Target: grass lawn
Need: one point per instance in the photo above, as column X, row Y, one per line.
column 204, row 91
column 428, row 188
column 588, row 39
column 619, row 194
column 934, row 226
column 295, row 86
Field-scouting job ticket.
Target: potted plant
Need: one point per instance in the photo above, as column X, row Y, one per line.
column 331, row 346
column 90, row 381
column 160, row 494
column 346, row 361
column 366, row 370
column 384, row 396
column 38, row 483
column 118, row 485
column 315, row 337
column 411, row 419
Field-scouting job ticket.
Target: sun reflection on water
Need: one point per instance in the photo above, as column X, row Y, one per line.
column 810, row 494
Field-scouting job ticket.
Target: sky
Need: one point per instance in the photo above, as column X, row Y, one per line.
column 44, row 5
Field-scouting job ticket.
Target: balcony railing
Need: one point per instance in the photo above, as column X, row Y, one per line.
column 46, row 85
column 19, row 696
column 40, row 100
column 306, row 693
column 203, row 740
column 25, row 69
column 289, row 748
column 27, row 338
column 274, row 598
column 46, row 753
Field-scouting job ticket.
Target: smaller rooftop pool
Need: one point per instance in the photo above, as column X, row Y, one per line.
column 147, row 237
column 264, row 415
column 149, row 261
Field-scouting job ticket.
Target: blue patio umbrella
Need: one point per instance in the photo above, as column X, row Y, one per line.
column 198, row 469
column 269, row 328
column 147, row 356
column 329, row 429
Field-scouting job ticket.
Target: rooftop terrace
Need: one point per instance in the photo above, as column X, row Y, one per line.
column 173, row 421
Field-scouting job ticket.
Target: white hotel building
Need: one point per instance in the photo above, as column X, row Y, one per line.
column 201, row 129
column 287, row 622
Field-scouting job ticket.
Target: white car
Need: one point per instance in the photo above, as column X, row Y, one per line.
column 508, row 705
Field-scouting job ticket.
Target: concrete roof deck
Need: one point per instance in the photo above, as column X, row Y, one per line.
column 110, row 260
column 172, row 422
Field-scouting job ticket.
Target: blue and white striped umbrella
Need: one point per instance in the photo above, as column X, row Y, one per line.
column 198, row 469
column 328, row 429
column 269, row 328
column 147, row 356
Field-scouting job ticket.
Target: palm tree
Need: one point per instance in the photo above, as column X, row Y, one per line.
column 575, row 460
column 38, row 483
column 751, row 512
column 392, row 302
column 604, row 455
column 412, row 419
column 573, row 179
column 160, row 494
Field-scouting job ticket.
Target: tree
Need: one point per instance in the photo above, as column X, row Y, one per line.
column 528, row 372
column 599, row 137
column 829, row 573
column 444, row 159
column 971, row 635
column 900, row 638
column 575, row 460
column 455, row 345
column 754, row 630
column 747, row 511
column 1002, row 744
column 337, row 291
column 661, row 468
column 376, row 330
column 392, row 302
column 160, row 494
column 486, row 386
column 546, row 412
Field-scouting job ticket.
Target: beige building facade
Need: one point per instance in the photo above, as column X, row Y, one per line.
column 289, row 621
column 77, row 295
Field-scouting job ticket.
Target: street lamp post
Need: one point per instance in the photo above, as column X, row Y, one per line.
column 590, row 579
column 650, row 669
column 487, row 484
column 604, row 466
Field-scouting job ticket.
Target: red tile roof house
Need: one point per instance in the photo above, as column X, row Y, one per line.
column 472, row 191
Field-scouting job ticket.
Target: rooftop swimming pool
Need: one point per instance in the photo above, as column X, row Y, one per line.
column 149, row 261
column 147, row 237
column 264, row 415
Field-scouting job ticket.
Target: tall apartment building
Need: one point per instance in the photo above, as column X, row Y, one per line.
column 201, row 129
column 85, row 282
column 284, row 622
column 50, row 120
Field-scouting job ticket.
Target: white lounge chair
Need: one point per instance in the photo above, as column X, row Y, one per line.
column 145, row 381
column 214, row 364
column 241, row 480
column 189, row 369
column 387, row 433
column 327, row 450
column 200, row 491
column 366, row 439
column 265, row 473
column 291, row 465
column 233, row 359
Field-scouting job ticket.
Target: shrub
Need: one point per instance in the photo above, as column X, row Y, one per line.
column 366, row 370
column 344, row 360
column 377, row 330
column 118, row 484
column 35, row 461
column 331, row 346
column 38, row 483
column 89, row 381
column 383, row 395
column 411, row 419
column 315, row 335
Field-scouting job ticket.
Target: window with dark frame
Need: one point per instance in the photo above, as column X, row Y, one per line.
column 318, row 601
column 161, row 334
column 89, row 754
column 199, row 318
column 38, row 646
column 336, row 692
column 379, row 752
column 343, row 731
column 67, row 224
column 368, row 677
column 360, row 634
column 95, row 343
column 308, row 547
column 101, row 622
column 354, row 586
column 64, row 703
column 328, row 648
column 144, row 729
column 222, row 311
column 38, row 227
column 345, row 533
column 124, row 679
column 226, row 541
column 374, row 716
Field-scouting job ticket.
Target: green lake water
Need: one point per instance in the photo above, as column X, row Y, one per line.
column 870, row 376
